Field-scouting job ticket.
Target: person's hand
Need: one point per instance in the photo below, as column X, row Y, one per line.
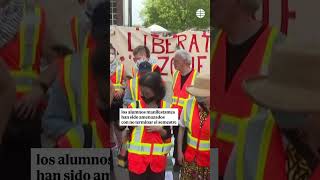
column 28, row 105
column 153, row 128
column 119, row 93
column 180, row 157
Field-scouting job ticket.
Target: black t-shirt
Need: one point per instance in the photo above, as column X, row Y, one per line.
column 184, row 79
column 237, row 53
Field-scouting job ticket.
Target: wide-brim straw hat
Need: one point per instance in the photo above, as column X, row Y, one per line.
column 201, row 86
column 293, row 82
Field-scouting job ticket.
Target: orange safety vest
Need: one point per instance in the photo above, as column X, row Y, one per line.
column 180, row 95
column 89, row 130
column 117, row 77
column 232, row 107
column 154, row 68
column 23, row 53
column 260, row 151
column 198, row 140
column 146, row 148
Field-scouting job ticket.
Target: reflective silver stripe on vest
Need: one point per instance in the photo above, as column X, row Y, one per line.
column 204, row 145
column 30, row 20
column 162, row 148
column 138, row 134
column 181, row 102
column 175, row 75
column 186, row 112
column 134, row 147
column 246, row 158
column 227, row 129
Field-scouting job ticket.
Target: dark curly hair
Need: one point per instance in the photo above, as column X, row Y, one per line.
column 154, row 81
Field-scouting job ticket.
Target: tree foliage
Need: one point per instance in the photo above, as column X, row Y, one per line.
column 176, row 15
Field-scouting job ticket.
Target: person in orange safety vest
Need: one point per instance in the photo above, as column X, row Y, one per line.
column 195, row 117
column 148, row 146
column 283, row 141
column 241, row 49
column 183, row 77
column 132, row 90
column 77, row 111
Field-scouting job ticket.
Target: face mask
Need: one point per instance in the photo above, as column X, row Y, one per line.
column 112, row 58
column 147, row 100
column 139, row 61
column 289, row 120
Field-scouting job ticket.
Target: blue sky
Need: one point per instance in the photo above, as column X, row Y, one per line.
column 137, row 6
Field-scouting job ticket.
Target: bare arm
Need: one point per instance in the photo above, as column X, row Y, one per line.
column 7, row 96
column 180, row 138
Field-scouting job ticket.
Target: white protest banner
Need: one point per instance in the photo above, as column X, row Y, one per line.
column 125, row 39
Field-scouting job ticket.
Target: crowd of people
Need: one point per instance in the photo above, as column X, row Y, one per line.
column 143, row 87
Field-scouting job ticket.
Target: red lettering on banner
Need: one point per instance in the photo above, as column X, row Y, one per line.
column 286, row 14
column 166, row 59
column 158, row 44
column 199, row 62
column 194, row 42
column 180, row 44
column 145, row 40
column 207, row 41
column 192, row 64
column 168, row 46
column 129, row 42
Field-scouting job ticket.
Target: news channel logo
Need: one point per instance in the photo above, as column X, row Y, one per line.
column 200, row 13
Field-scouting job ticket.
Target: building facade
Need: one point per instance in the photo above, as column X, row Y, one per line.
column 121, row 12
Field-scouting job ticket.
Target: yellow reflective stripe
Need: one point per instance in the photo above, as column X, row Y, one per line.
column 240, row 151
column 215, row 45
column 131, row 88
column 264, row 147
column 139, row 148
column 145, row 148
column 74, row 139
column 165, row 149
column 164, row 104
column 36, row 35
column 67, row 82
column 192, row 82
column 204, row 145
column 21, row 78
column 98, row 143
column 175, row 76
column 141, row 133
column 30, row 74
column 273, row 35
column 136, row 88
column 85, row 86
